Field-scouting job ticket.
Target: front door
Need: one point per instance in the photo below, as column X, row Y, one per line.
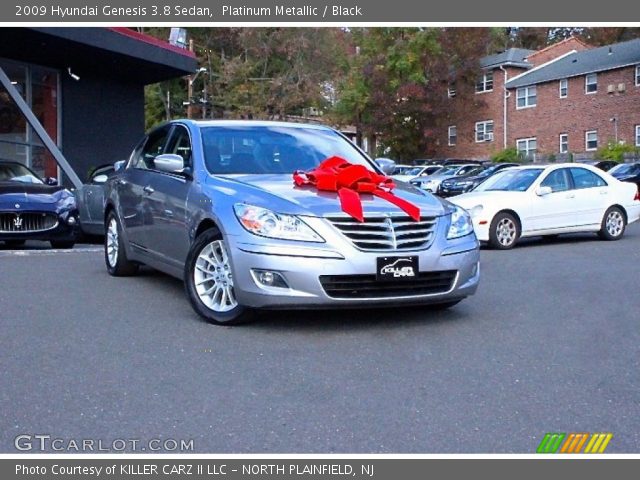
column 557, row 209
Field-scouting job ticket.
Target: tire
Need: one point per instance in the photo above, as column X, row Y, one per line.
column 209, row 282
column 614, row 224
column 436, row 307
column 14, row 243
column 504, row 231
column 62, row 244
column 115, row 255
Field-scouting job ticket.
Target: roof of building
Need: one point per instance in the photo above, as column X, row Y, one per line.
column 574, row 63
column 514, row 57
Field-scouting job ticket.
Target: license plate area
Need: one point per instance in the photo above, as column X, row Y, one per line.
column 397, row 269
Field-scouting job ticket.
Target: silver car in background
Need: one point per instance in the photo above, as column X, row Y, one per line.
column 214, row 203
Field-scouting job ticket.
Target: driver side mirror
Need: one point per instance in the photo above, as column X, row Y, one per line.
column 51, row 181
column 170, row 163
column 119, row 165
column 542, row 191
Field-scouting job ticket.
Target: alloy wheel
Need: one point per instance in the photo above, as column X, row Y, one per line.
column 112, row 242
column 615, row 223
column 213, row 279
column 506, row 232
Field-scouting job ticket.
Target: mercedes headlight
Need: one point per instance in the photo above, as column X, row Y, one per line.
column 266, row 223
column 460, row 224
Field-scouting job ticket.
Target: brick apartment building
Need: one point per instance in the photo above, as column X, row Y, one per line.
column 566, row 99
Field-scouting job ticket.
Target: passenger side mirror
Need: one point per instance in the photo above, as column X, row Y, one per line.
column 542, row 191
column 169, row 162
column 119, row 165
column 100, row 179
column 386, row 165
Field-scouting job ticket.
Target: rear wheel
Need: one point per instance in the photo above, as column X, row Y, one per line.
column 504, row 231
column 62, row 244
column 115, row 255
column 209, row 281
column 613, row 224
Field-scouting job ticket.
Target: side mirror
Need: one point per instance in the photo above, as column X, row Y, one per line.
column 51, row 181
column 386, row 165
column 119, row 165
column 100, row 179
column 169, row 162
column 542, row 191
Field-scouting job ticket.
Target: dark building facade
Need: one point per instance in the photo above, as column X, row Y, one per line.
column 86, row 87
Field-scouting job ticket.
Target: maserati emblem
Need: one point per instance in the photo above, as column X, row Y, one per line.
column 17, row 222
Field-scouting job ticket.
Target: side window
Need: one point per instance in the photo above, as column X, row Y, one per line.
column 558, row 180
column 153, row 147
column 583, row 178
column 180, row 144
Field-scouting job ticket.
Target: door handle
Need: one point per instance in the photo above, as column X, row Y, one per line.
column 148, row 189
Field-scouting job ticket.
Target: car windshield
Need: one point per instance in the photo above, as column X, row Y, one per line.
column 414, row 171
column 510, row 180
column 14, row 172
column 625, row 169
column 446, row 171
column 273, row 149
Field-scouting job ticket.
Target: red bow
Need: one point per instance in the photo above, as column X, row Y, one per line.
column 335, row 174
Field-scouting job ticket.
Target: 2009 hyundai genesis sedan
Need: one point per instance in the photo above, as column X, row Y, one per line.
column 267, row 215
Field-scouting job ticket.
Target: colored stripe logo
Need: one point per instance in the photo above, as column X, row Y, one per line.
column 574, row 443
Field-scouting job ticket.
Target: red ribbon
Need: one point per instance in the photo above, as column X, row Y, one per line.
column 335, row 174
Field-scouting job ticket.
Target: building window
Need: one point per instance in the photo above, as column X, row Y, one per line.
column 453, row 135
column 637, row 135
column 591, row 83
column 564, row 143
column 526, row 97
column 637, row 75
column 451, row 91
column 484, row 131
column 564, row 88
column 591, row 140
column 527, row 147
column 485, row 83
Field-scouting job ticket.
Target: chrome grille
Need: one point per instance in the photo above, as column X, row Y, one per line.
column 387, row 232
column 27, row 222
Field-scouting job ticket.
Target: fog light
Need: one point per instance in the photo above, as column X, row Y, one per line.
column 269, row 278
column 71, row 220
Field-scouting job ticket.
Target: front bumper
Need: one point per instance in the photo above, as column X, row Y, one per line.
column 61, row 232
column 302, row 266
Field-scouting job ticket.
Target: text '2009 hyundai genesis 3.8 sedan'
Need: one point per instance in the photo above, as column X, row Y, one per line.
column 257, row 215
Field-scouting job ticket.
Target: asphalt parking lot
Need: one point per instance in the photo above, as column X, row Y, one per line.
column 550, row 343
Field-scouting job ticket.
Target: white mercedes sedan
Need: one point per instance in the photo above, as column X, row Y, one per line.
column 548, row 200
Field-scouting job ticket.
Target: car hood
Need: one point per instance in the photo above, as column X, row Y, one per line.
column 471, row 199
column 278, row 192
column 27, row 194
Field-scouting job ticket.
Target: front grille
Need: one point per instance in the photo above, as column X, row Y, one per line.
column 387, row 232
column 27, row 222
column 366, row 286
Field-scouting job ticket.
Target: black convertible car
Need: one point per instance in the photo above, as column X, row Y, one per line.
column 31, row 209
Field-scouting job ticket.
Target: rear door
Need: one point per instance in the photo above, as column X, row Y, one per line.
column 592, row 196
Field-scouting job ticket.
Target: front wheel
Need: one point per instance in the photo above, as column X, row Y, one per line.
column 613, row 224
column 209, row 281
column 504, row 231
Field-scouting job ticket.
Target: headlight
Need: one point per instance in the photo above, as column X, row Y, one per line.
column 266, row 223
column 460, row 224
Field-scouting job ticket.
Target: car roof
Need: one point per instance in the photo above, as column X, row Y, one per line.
column 251, row 123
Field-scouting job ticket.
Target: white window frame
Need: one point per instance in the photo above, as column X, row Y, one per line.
column 484, row 81
column 587, row 83
column 637, row 75
column 564, row 81
column 526, row 91
column 526, row 151
column 637, row 135
column 586, row 141
column 485, row 134
column 452, row 127
column 564, row 143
